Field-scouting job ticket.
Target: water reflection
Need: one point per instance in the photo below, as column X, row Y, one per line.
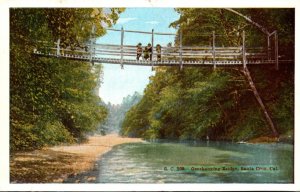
column 163, row 162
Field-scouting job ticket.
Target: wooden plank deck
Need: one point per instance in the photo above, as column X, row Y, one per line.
column 196, row 63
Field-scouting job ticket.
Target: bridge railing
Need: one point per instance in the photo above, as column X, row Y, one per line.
column 180, row 53
column 196, row 52
column 167, row 53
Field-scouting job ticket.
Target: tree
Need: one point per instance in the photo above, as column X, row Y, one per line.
column 52, row 100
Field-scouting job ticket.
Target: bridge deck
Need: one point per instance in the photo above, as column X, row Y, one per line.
column 201, row 62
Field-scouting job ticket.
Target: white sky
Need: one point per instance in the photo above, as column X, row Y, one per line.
column 119, row 83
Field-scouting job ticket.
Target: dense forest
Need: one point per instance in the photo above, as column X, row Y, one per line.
column 116, row 114
column 196, row 103
column 52, row 100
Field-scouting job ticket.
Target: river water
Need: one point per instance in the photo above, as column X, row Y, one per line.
column 201, row 162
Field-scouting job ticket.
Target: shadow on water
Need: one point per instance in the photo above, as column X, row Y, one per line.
column 192, row 162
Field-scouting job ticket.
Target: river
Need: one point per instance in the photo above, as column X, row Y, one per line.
column 195, row 162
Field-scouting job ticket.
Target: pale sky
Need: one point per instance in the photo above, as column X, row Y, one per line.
column 117, row 82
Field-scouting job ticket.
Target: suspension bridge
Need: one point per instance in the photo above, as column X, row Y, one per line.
column 179, row 55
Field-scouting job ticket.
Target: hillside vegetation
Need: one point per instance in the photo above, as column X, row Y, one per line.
column 53, row 100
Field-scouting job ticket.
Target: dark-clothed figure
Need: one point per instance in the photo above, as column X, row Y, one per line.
column 148, row 52
column 139, row 51
column 158, row 51
column 149, row 47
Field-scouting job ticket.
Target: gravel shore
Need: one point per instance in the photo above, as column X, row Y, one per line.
column 55, row 164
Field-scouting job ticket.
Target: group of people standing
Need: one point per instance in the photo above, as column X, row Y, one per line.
column 147, row 52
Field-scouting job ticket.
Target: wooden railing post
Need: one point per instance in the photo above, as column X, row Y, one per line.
column 268, row 47
column 122, row 50
column 58, row 47
column 244, row 51
column 214, row 50
column 152, row 44
column 180, row 50
column 276, row 50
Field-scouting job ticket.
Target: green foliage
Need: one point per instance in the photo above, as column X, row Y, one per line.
column 284, row 107
column 135, row 122
column 73, row 25
column 250, row 124
column 199, row 102
column 182, row 104
column 53, row 100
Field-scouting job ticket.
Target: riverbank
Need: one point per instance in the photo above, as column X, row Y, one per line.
column 55, row 164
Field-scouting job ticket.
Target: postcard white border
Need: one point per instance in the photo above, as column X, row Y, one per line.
column 4, row 95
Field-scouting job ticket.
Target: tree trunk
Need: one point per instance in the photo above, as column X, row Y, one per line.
column 260, row 102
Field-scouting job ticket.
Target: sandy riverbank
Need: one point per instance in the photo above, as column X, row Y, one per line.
column 96, row 145
column 56, row 163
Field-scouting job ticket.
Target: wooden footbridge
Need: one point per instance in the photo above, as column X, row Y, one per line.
column 180, row 55
column 196, row 56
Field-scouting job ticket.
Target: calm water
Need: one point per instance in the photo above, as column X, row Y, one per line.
column 204, row 162
column 213, row 162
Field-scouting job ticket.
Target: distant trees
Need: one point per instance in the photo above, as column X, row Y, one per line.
column 52, row 100
column 195, row 102
column 116, row 114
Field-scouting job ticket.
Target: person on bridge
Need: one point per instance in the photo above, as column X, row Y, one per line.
column 139, row 50
column 148, row 52
column 158, row 51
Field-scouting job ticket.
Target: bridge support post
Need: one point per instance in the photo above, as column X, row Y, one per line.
column 152, row 43
column 260, row 102
column 244, row 51
column 92, row 51
column 122, row 50
column 58, row 47
column 276, row 50
column 268, row 47
column 180, row 50
column 214, row 49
